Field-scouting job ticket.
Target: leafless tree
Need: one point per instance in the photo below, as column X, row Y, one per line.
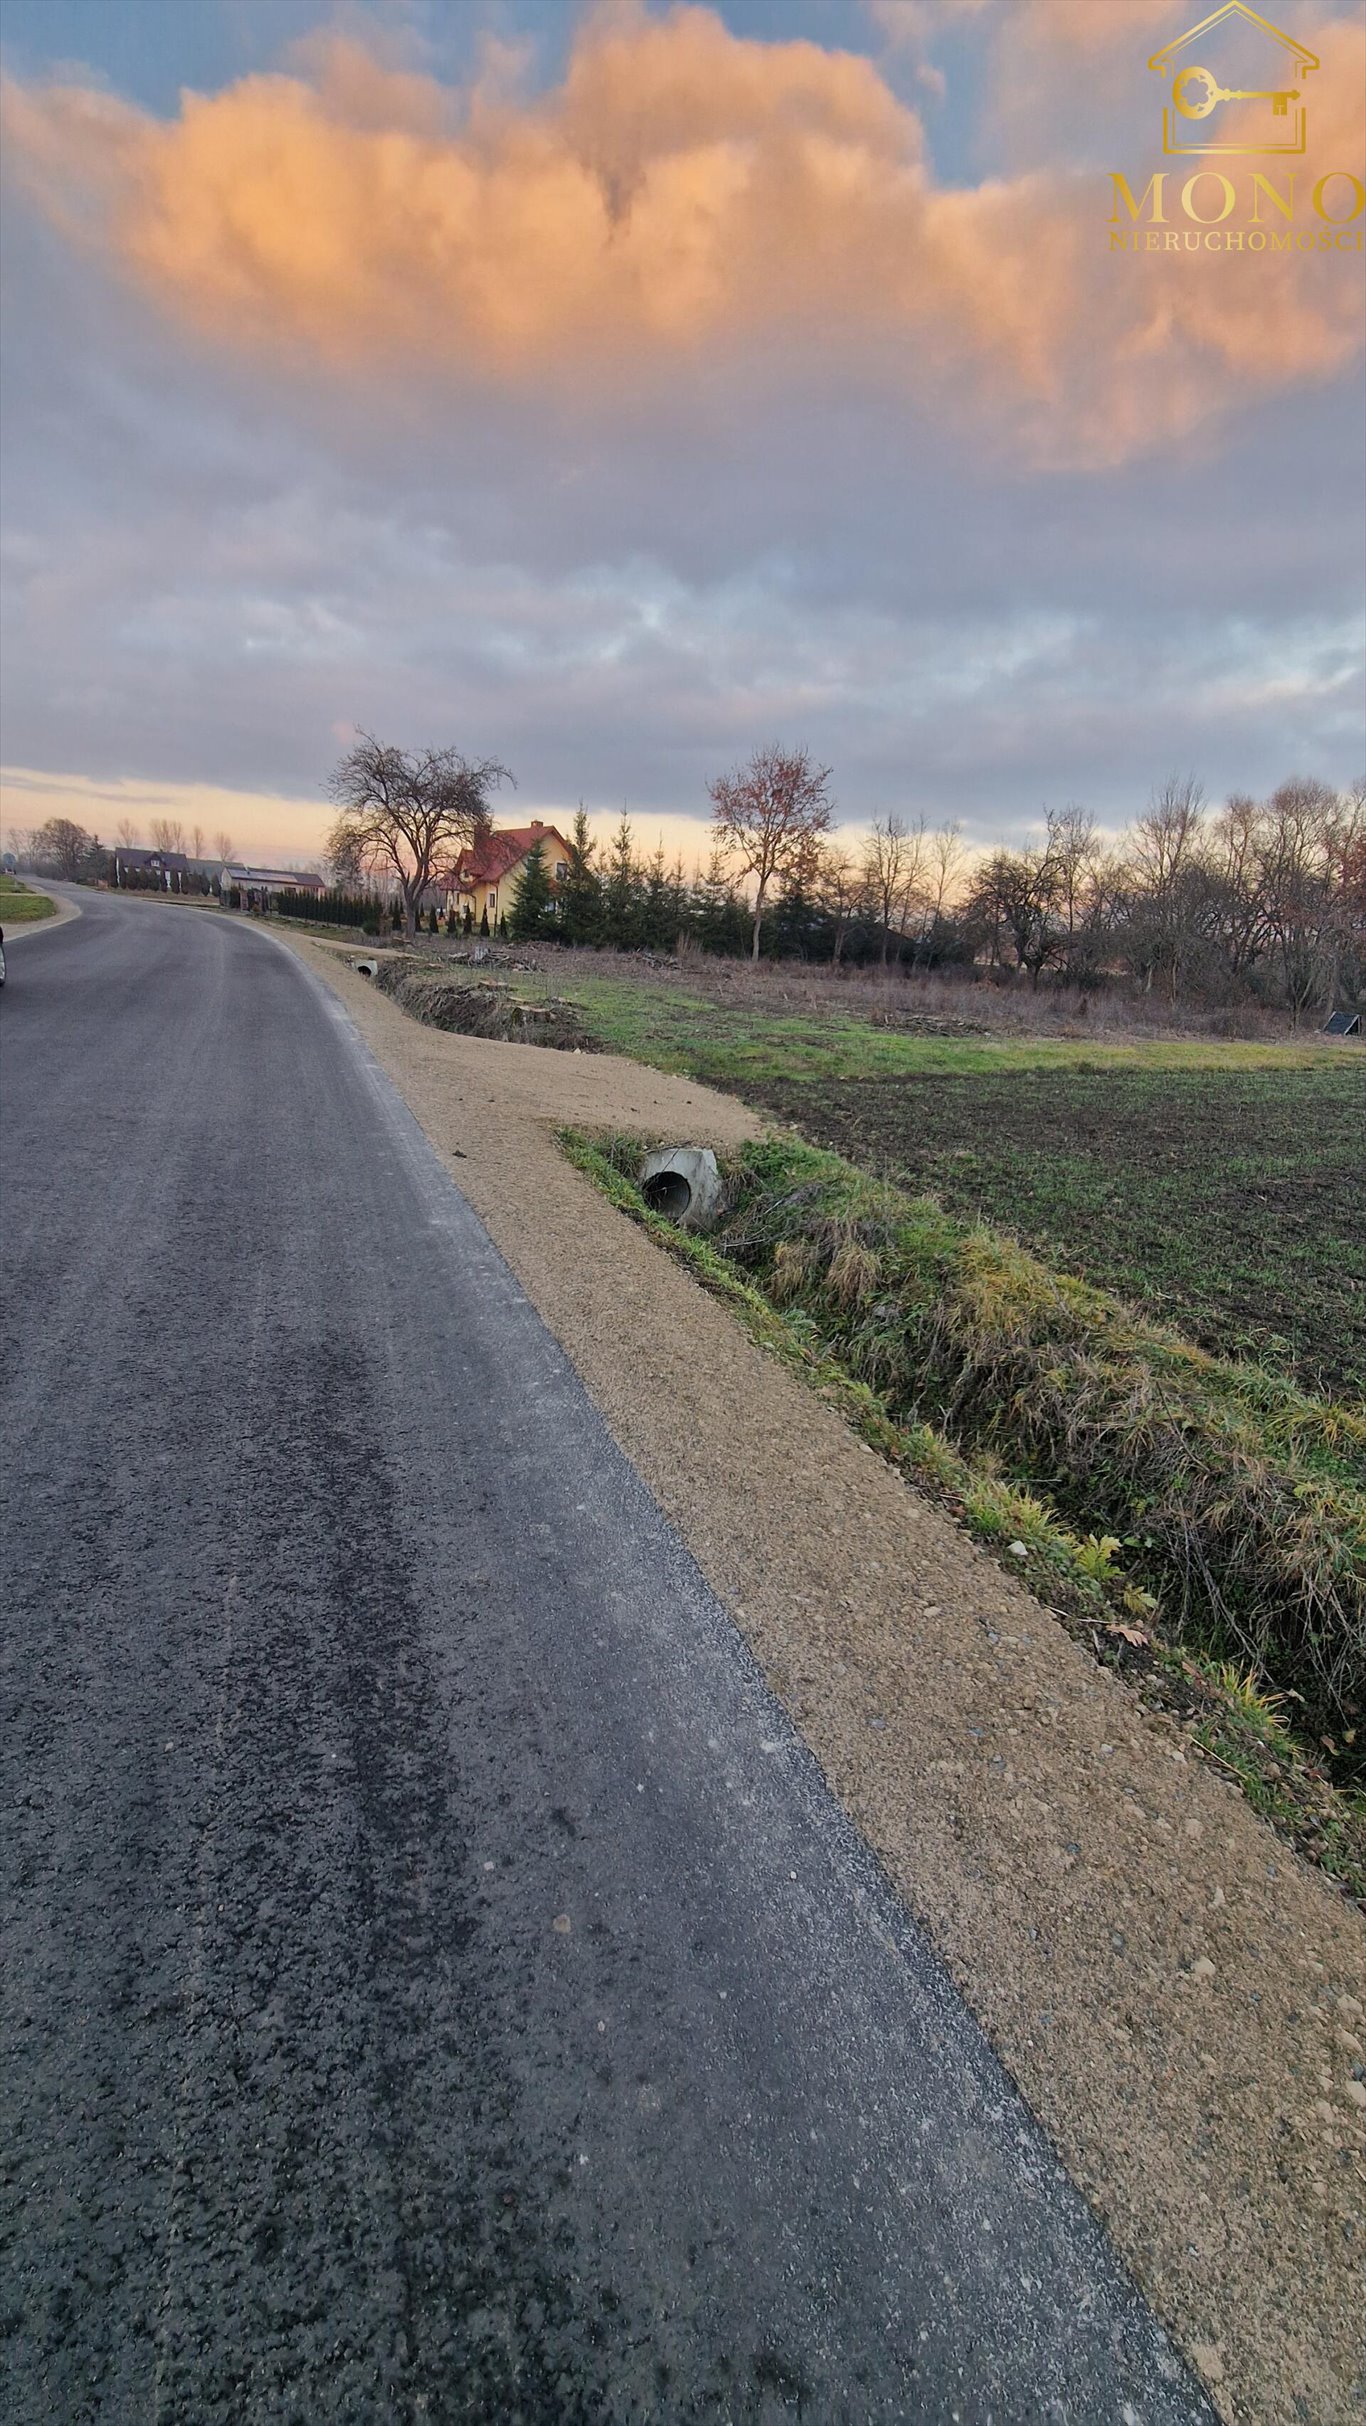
column 61, row 848
column 1235, row 864
column 168, row 834
column 224, row 848
column 766, row 816
column 127, row 834
column 839, row 890
column 892, row 860
column 1301, row 855
column 1165, row 858
column 197, row 842
column 404, row 814
column 1072, row 851
column 1015, row 901
column 944, row 856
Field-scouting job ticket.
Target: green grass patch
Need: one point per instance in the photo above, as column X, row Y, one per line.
column 1202, row 1519
column 19, row 904
column 739, row 1046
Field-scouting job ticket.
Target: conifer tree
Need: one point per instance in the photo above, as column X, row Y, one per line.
column 581, row 889
column 533, row 910
column 719, row 918
column 654, row 904
column 680, row 903
column 621, row 893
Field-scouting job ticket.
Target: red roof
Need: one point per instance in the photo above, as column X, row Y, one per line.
column 495, row 857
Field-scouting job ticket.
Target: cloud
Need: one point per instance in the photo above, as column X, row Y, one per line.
column 686, row 203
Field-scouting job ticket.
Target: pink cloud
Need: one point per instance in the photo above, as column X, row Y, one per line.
column 685, row 199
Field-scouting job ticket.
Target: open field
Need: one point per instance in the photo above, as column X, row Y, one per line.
column 19, row 904
column 1227, row 1200
column 1215, row 1182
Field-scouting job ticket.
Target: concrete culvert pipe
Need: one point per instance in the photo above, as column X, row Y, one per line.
column 668, row 1192
column 683, row 1183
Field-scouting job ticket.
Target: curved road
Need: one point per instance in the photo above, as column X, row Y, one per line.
column 437, row 1983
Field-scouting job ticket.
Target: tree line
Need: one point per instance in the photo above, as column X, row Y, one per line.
column 64, row 849
column 1250, row 901
column 1256, row 900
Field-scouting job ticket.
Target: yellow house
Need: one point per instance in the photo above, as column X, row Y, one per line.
column 485, row 879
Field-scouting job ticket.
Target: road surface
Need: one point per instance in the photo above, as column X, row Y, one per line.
column 437, row 1982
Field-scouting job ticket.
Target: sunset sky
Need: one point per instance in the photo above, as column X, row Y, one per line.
column 611, row 390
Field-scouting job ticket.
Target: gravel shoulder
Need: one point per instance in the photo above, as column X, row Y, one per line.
column 1182, row 2002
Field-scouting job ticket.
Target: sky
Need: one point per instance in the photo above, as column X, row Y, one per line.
column 612, row 390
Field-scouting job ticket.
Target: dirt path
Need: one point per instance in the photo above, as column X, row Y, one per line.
column 1181, row 2000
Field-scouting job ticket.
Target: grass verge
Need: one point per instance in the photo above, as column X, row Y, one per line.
column 20, row 905
column 1201, row 1526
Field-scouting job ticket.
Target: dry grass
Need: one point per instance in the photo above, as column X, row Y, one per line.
column 481, row 1007
column 963, row 1004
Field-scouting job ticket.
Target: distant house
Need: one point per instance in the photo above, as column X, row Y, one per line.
column 258, row 886
column 1344, row 1023
column 485, row 879
column 151, row 871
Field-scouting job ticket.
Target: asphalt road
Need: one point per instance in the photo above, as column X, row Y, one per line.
column 437, row 1982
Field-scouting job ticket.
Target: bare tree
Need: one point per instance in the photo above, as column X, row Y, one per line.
column 1235, row 866
column 1072, row 851
column 839, row 891
column 947, row 853
column 61, row 848
column 1016, row 898
column 1349, row 936
column 404, row 814
column 224, row 848
column 766, row 816
column 168, row 834
column 1165, row 858
column 1301, row 857
column 127, row 834
column 197, row 842
column 892, row 858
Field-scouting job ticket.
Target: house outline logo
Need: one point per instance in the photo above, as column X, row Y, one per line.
column 1197, row 96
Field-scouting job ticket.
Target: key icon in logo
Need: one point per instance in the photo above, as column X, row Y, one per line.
column 1196, row 94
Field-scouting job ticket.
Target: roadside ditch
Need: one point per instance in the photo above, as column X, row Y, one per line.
column 1200, row 1527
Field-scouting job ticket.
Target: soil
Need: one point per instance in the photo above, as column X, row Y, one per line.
column 1182, row 2001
